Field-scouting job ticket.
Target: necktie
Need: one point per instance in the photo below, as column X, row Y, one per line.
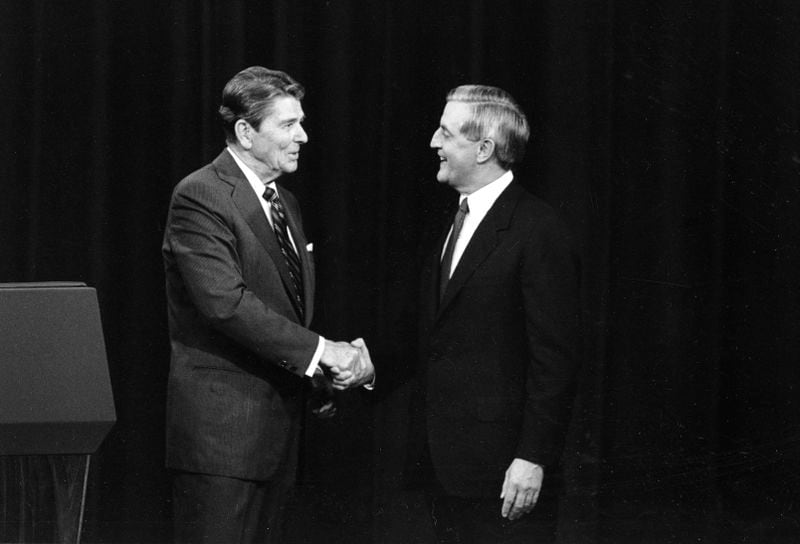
column 289, row 254
column 447, row 259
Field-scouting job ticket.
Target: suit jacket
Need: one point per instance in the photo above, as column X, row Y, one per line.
column 240, row 348
column 500, row 353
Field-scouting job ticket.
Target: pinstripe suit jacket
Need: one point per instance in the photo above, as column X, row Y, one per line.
column 239, row 346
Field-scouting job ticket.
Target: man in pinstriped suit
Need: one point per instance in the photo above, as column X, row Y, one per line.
column 240, row 287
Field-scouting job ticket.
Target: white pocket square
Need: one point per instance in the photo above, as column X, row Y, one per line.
column 310, row 247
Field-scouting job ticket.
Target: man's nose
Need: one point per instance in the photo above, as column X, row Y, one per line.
column 435, row 139
column 301, row 135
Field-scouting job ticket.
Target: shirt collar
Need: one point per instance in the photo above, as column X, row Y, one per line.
column 257, row 185
column 481, row 200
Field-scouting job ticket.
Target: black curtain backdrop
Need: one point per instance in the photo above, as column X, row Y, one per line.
column 666, row 132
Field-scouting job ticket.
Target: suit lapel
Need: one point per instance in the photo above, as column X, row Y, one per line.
column 430, row 283
column 431, row 265
column 248, row 204
column 483, row 242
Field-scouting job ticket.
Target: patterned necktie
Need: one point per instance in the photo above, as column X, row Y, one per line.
column 447, row 259
column 289, row 253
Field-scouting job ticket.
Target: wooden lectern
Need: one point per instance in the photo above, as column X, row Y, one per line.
column 55, row 391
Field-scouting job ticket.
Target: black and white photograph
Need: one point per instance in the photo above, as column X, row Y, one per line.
column 413, row 272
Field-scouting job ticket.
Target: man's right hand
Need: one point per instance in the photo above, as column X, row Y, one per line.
column 339, row 359
column 349, row 365
column 364, row 371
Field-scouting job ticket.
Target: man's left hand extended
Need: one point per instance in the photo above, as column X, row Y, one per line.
column 521, row 488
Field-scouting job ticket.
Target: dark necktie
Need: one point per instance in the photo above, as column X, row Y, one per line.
column 447, row 259
column 289, row 253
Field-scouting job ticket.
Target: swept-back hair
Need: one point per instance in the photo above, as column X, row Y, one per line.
column 497, row 116
column 250, row 95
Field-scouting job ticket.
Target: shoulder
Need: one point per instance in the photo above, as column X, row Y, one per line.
column 202, row 184
column 533, row 209
column 538, row 221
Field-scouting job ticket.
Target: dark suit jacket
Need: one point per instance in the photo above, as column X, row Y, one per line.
column 499, row 355
column 239, row 346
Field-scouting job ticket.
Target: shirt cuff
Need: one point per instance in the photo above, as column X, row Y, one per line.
column 371, row 385
column 314, row 364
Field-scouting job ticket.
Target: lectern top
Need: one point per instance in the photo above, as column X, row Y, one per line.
column 42, row 284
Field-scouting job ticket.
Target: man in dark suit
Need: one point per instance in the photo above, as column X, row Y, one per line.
column 499, row 334
column 240, row 288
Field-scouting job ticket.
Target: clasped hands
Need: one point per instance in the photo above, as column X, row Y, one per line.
column 348, row 365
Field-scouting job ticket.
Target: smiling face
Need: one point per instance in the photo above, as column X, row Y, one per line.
column 457, row 155
column 275, row 146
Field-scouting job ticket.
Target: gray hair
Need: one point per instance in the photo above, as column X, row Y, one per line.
column 495, row 115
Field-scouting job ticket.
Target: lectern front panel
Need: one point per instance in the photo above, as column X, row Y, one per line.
column 55, row 391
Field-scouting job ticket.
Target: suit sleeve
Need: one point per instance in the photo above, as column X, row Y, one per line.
column 550, row 280
column 204, row 248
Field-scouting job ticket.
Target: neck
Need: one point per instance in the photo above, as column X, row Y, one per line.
column 264, row 174
column 483, row 177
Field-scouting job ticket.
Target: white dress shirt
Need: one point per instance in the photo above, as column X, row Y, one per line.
column 479, row 204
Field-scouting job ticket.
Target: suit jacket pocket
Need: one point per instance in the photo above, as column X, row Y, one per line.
column 240, row 424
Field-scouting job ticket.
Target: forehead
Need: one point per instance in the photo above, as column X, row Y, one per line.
column 455, row 114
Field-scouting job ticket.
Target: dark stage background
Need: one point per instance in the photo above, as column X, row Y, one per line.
column 665, row 132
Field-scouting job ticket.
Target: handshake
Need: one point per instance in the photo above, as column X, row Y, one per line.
column 347, row 365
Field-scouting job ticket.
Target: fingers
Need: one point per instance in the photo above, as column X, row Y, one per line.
column 347, row 364
column 508, row 502
column 521, row 488
column 345, row 379
column 534, row 500
column 339, row 357
column 508, row 495
column 519, row 507
column 362, row 369
column 362, row 346
column 340, row 384
column 365, row 366
column 517, row 502
column 326, row 411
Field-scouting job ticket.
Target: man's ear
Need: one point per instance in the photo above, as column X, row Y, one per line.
column 243, row 132
column 485, row 150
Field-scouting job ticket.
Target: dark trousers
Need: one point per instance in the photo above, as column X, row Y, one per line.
column 478, row 521
column 215, row 509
